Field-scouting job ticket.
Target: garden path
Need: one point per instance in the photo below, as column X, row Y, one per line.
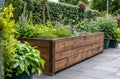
column 103, row 66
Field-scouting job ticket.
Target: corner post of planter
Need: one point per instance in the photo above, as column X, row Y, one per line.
column 52, row 55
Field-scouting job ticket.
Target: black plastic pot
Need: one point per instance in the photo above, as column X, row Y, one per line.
column 113, row 44
column 22, row 76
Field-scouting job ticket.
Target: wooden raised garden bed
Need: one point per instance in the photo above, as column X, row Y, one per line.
column 63, row 52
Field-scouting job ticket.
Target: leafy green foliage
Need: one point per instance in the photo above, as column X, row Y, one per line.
column 107, row 25
column 92, row 27
column 44, row 31
column 101, row 5
column 87, row 27
column 81, row 26
column 18, row 57
column 89, row 13
column 73, row 2
column 24, row 59
column 118, row 33
column 118, row 20
column 47, row 11
column 17, row 4
column 117, row 12
column 63, row 31
column 65, row 12
column 98, row 5
column 27, row 59
column 6, row 33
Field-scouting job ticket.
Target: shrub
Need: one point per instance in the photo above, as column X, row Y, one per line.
column 65, row 12
column 117, row 12
column 103, row 13
column 89, row 13
column 118, row 20
column 18, row 57
column 107, row 25
column 51, row 11
column 87, row 27
column 118, row 34
column 92, row 27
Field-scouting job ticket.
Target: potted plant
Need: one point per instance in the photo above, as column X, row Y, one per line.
column 107, row 25
column 115, row 38
column 24, row 63
column 20, row 60
column 118, row 34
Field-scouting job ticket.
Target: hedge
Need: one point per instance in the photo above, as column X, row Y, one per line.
column 52, row 11
column 90, row 13
column 66, row 12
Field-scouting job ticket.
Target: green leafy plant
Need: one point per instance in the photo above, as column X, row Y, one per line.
column 107, row 25
column 63, row 31
column 81, row 26
column 118, row 34
column 47, row 31
column 26, row 59
column 92, row 27
column 91, row 14
column 18, row 57
column 117, row 12
column 118, row 20
column 50, row 11
column 87, row 27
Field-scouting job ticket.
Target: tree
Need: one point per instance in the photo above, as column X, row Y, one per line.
column 74, row 2
column 101, row 5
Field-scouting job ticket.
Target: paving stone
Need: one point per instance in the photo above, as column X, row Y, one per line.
column 87, row 64
column 109, row 76
column 111, row 64
column 118, row 73
column 111, row 55
column 106, row 68
column 69, row 73
column 84, row 77
column 99, row 58
column 50, row 77
column 74, row 75
column 103, row 66
column 96, row 73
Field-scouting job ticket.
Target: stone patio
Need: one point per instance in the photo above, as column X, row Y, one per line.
column 103, row 66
